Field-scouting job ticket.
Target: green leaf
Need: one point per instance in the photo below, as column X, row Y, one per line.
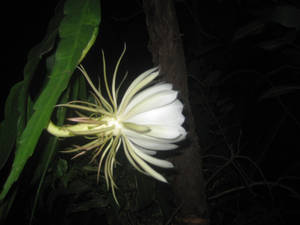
column 62, row 167
column 22, row 104
column 79, row 90
column 47, row 155
column 76, row 31
column 49, row 150
column 33, row 59
column 8, row 128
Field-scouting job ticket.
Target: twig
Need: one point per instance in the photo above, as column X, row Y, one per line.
column 235, row 189
column 174, row 214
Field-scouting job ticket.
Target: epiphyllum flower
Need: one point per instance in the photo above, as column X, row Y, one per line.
column 147, row 120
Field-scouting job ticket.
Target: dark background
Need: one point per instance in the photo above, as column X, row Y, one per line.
column 243, row 61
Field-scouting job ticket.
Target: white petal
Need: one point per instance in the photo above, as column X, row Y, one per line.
column 148, row 152
column 170, row 114
column 151, row 102
column 155, row 143
column 146, row 93
column 142, row 76
column 140, row 82
column 152, row 144
column 166, row 132
column 152, row 160
column 144, row 166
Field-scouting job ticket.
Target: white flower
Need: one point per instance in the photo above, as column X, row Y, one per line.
column 147, row 120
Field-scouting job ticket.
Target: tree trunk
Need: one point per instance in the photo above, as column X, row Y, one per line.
column 167, row 51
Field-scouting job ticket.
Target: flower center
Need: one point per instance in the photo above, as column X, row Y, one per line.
column 116, row 123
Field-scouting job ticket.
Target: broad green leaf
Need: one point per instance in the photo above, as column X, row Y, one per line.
column 47, row 155
column 49, row 149
column 79, row 90
column 33, row 59
column 22, row 109
column 8, row 128
column 76, row 31
column 75, row 91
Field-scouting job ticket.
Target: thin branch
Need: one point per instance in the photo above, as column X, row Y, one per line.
column 174, row 213
column 255, row 184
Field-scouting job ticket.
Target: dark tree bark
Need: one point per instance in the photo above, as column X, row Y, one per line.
column 167, row 51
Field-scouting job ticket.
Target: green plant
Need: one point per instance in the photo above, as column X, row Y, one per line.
column 70, row 34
